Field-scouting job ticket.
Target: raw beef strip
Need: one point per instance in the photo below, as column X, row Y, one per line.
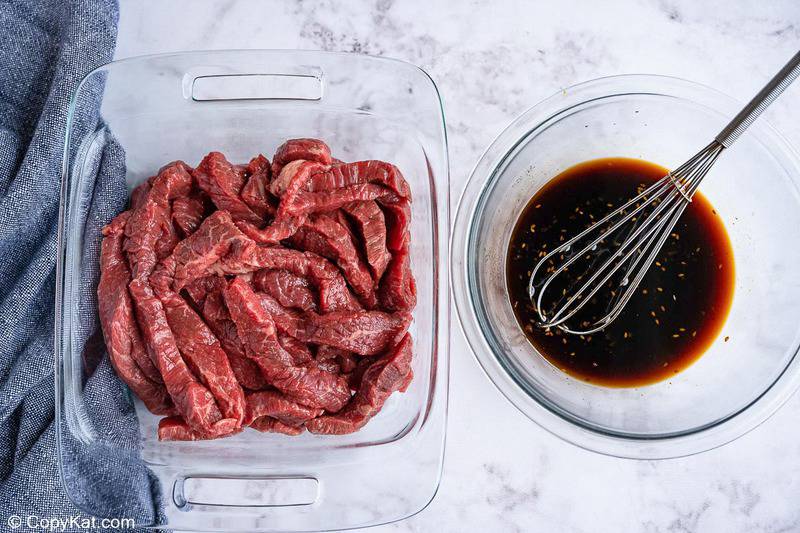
column 187, row 213
column 289, row 289
column 199, row 289
column 195, row 403
column 336, row 359
column 298, row 350
column 361, row 332
column 219, row 320
column 382, row 378
column 174, row 428
column 287, row 321
column 398, row 290
column 306, row 383
column 195, row 256
column 371, row 227
column 306, row 203
column 294, row 149
column 324, row 236
column 125, row 347
column 255, row 192
column 349, row 174
column 276, row 405
column 223, row 182
column 397, row 223
column 266, row 424
column 151, row 221
column 278, row 230
column 201, row 350
column 332, row 290
column 290, row 181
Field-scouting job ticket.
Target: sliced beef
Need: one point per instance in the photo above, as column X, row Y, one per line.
column 370, row 223
column 125, row 347
column 360, row 332
column 275, row 232
column 306, row 202
column 307, row 383
column 187, row 213
column 398, row 221
column 305, row 149
column 385, row 376
column 289, row 289
column 361, row 172
column 299, row 351
column 192, row 400
column 140, row 192
column 223, row 182
column 275, row 404
column 332, row 290
column 198, row 255
column 174, row 428
column 199, row 289
column 219, row 320
column 149, row 231
column 255, row 192
column 289, row 183
column 266, row 424
column 398, row 290
column 326, row 237
column 335, row 359
column 270, row 295
column 201, row 351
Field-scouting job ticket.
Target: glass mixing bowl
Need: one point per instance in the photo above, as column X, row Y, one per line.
column 736, row 384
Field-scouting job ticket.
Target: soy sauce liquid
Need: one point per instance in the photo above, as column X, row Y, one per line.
column 677, row 311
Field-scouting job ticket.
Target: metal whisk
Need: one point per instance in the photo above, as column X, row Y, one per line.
column 633, row 234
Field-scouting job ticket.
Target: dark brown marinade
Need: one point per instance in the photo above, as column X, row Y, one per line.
column 677, row 311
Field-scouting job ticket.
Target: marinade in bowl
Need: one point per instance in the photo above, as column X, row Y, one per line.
column 747, row 370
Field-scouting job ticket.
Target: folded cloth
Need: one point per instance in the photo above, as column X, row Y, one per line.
column 46, row 47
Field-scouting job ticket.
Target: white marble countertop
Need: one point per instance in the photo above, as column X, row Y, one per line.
column 493, row 59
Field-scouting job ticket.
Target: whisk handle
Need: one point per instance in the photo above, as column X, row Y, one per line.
column 760, row 102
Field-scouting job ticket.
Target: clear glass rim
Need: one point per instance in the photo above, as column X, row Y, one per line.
column 533, row 405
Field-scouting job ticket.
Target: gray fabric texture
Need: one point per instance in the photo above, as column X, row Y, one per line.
column 46, row 48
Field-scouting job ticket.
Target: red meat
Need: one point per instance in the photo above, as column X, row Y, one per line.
column 349, row 174
column 370, row 224
column 202, row 352
column 266, row 424
column 195, row 403
column 306, row 149
column 385, row 376
column 307, row 384
column 291, row 281
column 324, row 236
column 276, row 405
column 187, row 213
column 290, row 290
column 255, row 192
column 174, row 428
column 223, row 182
column 125, row 347
column 219, row 320
column 398, row 290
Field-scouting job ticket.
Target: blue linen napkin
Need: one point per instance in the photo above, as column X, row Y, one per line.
column 46, row 47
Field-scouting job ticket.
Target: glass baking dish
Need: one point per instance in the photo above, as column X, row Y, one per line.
column 156, row 109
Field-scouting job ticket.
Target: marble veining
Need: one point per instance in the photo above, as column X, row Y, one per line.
column 492, row 59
